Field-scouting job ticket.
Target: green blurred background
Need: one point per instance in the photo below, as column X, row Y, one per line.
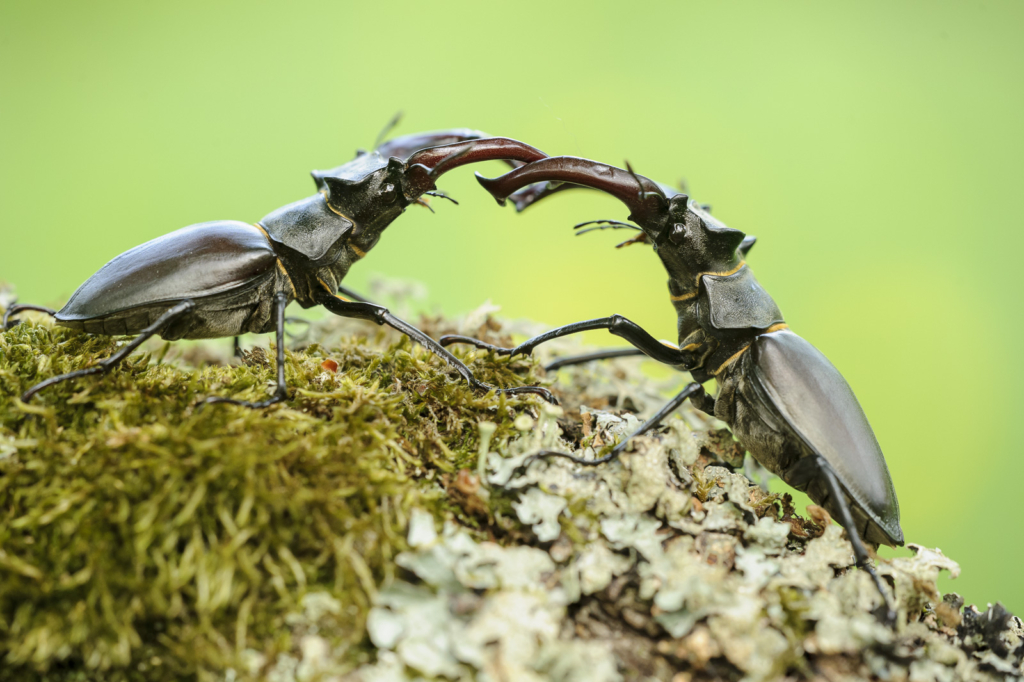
column 875, row 149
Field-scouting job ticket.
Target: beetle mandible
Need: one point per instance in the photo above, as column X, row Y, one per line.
column 782, row 398
column 226, row 277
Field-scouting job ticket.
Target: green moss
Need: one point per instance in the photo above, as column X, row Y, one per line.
column 388, row 523
column 144, row 536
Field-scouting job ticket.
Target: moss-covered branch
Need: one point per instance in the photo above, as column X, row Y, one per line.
column 384, row 524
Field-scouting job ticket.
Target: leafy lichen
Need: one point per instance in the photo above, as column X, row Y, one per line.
column 388, row 523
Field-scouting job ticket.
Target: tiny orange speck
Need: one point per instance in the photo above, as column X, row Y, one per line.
column 329, row 365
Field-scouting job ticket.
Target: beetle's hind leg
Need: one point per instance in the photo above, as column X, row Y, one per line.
column 805, row 470
column 104, row 366
column 280, row 302
column 14, row 309
column 616, row 324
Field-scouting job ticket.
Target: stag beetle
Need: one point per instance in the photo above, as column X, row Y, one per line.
column 785, row 402
column 227, row 277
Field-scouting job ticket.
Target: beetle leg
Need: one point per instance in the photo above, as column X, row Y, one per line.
column 280, row 302
column 571, row 360
column 449, row 339
column 808, row 468
column 14, row 309
column 104, row 366
column 616, row 324
column 382, row 316
column 297, row 320
column 692, row 390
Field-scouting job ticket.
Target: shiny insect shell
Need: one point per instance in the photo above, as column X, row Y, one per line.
column 785, row 402
column 226, row 277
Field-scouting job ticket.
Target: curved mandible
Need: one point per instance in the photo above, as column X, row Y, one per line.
column 405, row 146
column 425, row 166
column 642, row 196
column 528, row 196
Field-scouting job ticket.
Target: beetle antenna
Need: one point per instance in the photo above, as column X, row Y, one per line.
column 607, row 224
column 441, row 195
column 388, row 127
column 603, row 225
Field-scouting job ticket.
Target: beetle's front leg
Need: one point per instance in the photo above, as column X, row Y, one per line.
column 382, row 316
column 616, row 324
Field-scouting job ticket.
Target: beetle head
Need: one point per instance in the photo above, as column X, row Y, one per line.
column 683, row 233
column 371, row 201
column 693, row 242
column 372, row 191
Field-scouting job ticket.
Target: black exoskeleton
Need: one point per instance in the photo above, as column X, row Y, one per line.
column 785, row 402
column 227, row 277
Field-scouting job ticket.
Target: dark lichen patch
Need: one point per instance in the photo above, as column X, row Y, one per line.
column 145, row 537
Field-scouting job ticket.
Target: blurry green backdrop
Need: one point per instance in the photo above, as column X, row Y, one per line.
column 874, row 148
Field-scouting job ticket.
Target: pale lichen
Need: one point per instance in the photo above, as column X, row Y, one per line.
column 389, row 524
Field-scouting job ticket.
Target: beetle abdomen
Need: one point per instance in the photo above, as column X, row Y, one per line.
column 794, row 380
column 220, row 265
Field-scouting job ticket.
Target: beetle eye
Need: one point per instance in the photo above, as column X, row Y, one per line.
column 387, row 189
column 678, row 234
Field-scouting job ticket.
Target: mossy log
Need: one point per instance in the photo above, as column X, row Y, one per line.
column 385, row 524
